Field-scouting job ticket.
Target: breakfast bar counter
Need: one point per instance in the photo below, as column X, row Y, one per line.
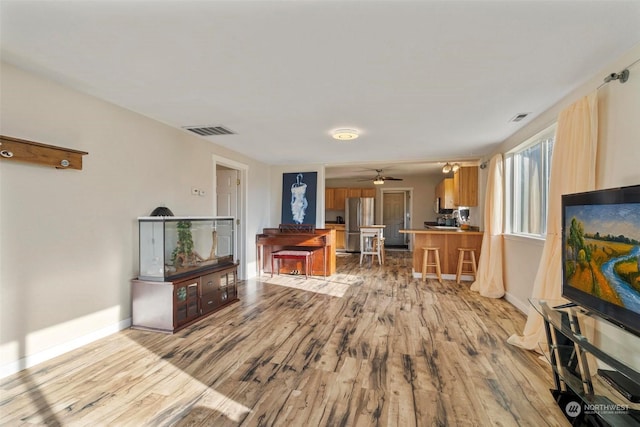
column 448, row 241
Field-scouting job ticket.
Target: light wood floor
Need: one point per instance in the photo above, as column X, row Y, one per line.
column 392, row 351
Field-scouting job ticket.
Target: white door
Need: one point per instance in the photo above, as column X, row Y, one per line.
column 226, row 202
column 226, row 192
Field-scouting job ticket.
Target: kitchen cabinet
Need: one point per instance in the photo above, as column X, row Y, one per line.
column 334, row 198
column 340, row 234
column 465, row 186
column 448, row 241
column 329, row 198
column 444, row 192
column 354, row 192
column 339, row 198
column 368, row 192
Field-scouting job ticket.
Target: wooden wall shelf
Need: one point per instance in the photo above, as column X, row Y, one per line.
column 21, row 150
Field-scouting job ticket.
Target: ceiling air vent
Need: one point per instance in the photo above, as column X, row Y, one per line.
column 519, row 117
column 210, row 130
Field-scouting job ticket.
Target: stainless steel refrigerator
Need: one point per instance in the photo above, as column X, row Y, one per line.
column 358, row 212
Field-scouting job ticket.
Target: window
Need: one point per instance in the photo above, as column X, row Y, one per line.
column 527, row 174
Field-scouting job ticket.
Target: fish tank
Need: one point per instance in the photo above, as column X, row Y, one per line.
column 172, row 247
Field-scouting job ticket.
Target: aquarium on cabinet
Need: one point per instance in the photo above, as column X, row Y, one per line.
column 174, row 247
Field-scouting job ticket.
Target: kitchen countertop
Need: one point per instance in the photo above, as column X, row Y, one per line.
column 439, row 231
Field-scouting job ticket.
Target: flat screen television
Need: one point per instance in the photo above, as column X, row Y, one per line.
column 601, row 253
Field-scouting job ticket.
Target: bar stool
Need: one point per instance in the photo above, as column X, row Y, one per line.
column 462, row 261
column 435, row 263
column 367, row 246
column 379, row 241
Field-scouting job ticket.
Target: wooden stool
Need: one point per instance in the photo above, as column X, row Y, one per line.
column 462, row 261
column 379, row 241
column 426, row 263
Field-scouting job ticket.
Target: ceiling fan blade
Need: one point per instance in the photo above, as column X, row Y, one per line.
column 390, row 178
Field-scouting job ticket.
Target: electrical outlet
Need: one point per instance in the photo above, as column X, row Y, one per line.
column 201, row 193
column 194, row 191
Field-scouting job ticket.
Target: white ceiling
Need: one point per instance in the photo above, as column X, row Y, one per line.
column 422, row 81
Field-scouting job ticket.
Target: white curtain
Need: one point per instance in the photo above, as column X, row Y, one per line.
column 573, row 170
column 489, row 276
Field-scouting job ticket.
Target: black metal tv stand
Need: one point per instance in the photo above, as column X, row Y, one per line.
column 611, row 396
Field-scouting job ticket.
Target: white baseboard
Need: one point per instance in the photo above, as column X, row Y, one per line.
column 523, row 306
column 446, row 276
column 43, row 356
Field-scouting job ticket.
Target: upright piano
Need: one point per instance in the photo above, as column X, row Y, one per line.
column 320, row 241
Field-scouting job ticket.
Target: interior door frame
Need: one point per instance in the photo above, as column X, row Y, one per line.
column 242, row 209
column 408, row 192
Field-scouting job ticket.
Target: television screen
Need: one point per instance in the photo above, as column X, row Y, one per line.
column 601, row 253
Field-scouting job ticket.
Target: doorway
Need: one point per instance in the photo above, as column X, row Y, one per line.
column 396, row 217
column 230, row 185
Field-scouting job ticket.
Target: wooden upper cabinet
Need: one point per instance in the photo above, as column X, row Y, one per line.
column 335, row 198
column 465, row 186
column 368, row 192
column 444, row 191
column 354, row 192
column 340, row 194
column 329, row 198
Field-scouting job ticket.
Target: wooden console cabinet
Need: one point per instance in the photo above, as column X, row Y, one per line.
column 170, row 306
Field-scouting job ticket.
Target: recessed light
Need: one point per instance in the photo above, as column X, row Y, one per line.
column 345, row 134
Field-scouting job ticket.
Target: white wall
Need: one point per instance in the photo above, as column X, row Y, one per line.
column 68, row 246
column 618, row 154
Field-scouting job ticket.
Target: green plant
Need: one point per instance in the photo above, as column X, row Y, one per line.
column 184, row 247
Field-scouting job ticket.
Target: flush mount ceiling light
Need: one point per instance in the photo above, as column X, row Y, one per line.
column 455, row 167
column 345, row 134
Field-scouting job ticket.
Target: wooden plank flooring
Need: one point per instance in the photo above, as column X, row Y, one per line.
column 393, row 351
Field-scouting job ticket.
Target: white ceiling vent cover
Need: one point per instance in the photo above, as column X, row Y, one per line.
column 519, row 117
column 210, row 130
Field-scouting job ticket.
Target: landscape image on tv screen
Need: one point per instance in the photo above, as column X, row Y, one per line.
column 602, row 252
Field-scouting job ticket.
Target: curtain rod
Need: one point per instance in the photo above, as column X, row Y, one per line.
column 623, row 75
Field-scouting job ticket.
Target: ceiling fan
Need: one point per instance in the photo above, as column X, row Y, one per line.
column 380, row 179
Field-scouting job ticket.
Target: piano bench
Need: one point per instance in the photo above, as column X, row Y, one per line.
column 305, row 256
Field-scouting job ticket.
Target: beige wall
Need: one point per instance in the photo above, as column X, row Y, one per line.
column 69, row 239
column 618, row 154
